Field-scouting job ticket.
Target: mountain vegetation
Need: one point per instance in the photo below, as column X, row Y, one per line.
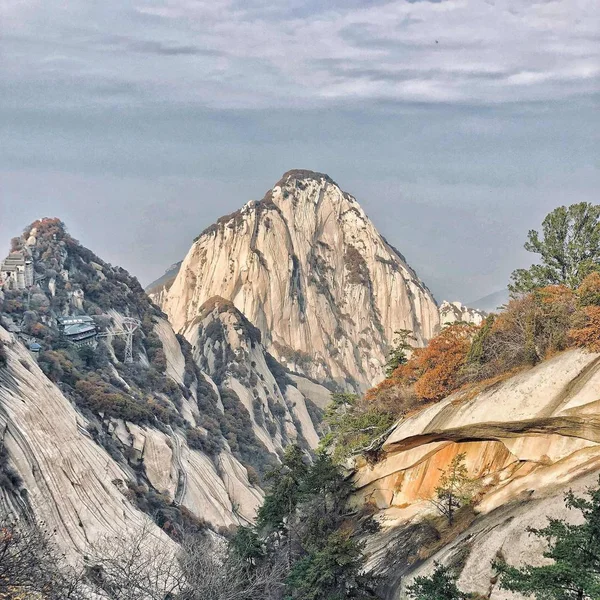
column 308, row 539
column 571, row 570
column 304, row 523
column 465, row 359
column 569, row 249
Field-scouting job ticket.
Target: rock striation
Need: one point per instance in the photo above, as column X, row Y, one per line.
column 94, row 442
column 228, row 349
column 526, row 441
column 68, row 481
column 308, row 268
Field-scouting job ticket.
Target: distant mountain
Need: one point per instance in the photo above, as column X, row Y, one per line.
column 310, row 270
column 93, row 440
column 452, row 312
column 163, row 283
column 491, row 302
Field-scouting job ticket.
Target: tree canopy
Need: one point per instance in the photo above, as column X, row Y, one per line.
column 574, row 552
column 441, row 585
column 568, row 249
column 303, row 527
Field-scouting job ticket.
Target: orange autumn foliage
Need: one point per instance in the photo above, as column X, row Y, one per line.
column 587, row 333
column 439, row 363
column 433, row 370
column 531, row 328
column 589, row 290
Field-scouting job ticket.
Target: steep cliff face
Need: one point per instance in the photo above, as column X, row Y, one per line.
column 71, row 483
column 308, row 268
column 93, row 441
column 526, row 441
column 158, row 289
column 228, row 348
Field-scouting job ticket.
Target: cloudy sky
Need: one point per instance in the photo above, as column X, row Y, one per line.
column 458, row 124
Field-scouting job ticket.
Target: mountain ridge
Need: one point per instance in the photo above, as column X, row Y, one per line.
column 186, row 434
column 310, row 270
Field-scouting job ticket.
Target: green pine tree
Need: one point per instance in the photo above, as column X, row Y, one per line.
column 284, row 492
column 399, row 353
column 574, row 573
column 454, row 489
column 331, row 572
column 304, row 533
column 441, row 585
column 569, row 249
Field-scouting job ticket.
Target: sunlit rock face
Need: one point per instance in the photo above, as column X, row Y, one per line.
column 79, row 490
column 219, row 414
column 526, row 441
column 308, row 268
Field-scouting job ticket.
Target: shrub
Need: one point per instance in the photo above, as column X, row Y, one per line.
column 433, row 371
column 586, row 334
column 439, row 363
column 206, row 443
column 174, row 520
column 280, row 374
column 100, row 397
column 61, row 365
column 9, row 478
column 588, row 293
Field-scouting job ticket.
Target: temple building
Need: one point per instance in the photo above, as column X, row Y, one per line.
column 80, row 330
column 16, row 271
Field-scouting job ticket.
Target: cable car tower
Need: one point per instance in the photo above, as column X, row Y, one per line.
column 127, row 329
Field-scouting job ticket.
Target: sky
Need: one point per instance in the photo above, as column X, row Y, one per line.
column 457, row 124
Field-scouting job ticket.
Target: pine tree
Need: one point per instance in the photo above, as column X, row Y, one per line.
column 569, row 249
column 331, row 572
column 574, row 573
column 399, row 352
column 303, row 527
column 441, row 585
column 453, row 491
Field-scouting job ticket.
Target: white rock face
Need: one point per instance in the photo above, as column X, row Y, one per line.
column 74, row 487
column 228, row 349
column 526, row 442
column 79, row 490
column 309, row 269
column 214, row 418
column 452, row 312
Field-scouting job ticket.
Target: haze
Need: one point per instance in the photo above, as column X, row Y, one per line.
column 456, row 124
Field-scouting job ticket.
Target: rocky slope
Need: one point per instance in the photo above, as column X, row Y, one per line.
column 69, row 482
column 309, row 269
column 182, row 433
column 526, row 441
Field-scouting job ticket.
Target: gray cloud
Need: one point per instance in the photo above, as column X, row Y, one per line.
column 141, row 121
column 274, row 55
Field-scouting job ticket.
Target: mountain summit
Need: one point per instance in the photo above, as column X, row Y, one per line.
column 308, row 268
